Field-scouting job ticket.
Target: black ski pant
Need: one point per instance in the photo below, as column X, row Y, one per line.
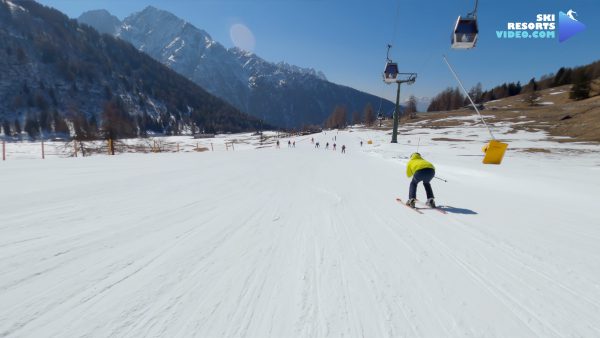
column 425, row 176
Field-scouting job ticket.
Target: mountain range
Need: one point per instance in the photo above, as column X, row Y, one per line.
column 62, row 77
column 278, row 93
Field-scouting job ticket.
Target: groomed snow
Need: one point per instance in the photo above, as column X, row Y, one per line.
column 303, row 242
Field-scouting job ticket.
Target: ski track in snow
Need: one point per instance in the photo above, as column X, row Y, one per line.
column 299, row 243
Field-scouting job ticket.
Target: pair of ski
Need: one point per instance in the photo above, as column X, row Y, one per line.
column 418, row 209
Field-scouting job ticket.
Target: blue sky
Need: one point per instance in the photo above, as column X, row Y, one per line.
column 346, row 39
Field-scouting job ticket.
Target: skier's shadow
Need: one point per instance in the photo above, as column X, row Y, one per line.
column 453, row 210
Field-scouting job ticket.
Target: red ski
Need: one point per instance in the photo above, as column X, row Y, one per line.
column 436, row 208
column 404, row 204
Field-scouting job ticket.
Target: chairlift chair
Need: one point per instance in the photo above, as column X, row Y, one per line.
column 465, row 33
column 390, row 73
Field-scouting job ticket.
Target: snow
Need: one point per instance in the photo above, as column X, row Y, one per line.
column 473, row 117
column 172, row 43
column 547, row 103
column 559, row 92
column 265, row 242
column 14, row 7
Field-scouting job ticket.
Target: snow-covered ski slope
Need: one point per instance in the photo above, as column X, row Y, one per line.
column 304, row 242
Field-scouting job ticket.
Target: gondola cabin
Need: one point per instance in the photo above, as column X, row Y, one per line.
column 465, row 33
column 390, row 73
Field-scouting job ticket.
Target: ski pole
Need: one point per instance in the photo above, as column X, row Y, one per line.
column 441, row 179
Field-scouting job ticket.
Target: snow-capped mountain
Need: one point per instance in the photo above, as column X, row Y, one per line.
column 279, row 93
column 57, row 73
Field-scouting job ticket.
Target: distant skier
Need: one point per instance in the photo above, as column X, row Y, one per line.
column 343, row 148
column 361, row 143
column 277, row 144
column 334, row 145
column 289, row 144
column 317, row 145
column 423, row 171
column 327, row 145
column 294, row 144
column 312, row 140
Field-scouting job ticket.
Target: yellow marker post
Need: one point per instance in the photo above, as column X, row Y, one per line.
column 494, row 152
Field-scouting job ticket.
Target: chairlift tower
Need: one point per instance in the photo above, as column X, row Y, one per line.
column 408, row 78
column 391, row 75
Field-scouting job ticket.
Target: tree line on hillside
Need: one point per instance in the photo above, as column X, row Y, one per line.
column 579, row 77
column 116, row 123
column 73, row 80
column 339, row 117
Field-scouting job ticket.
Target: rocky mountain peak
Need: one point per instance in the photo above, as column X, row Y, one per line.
column 280, row 93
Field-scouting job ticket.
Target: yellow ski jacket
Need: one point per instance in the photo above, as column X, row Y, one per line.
column 417, row 163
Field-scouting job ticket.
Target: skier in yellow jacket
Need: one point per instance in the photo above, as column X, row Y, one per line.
column 421, row 171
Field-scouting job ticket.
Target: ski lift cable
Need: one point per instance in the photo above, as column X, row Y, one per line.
column 473, row 14
column 426, row 61
column 468, row 96
column 387, row 62
column 395, row 32
column 380, row 103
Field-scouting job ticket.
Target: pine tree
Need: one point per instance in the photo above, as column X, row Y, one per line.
column 562, row 77
column 337, row 119
column 356, row 118
column 581, row 86
column 476, row 93
column 532, row 85
column 18, row 129
column 369, row 115
column 532, row 98
column 32, row 127
column 6, row 127
column 411, row 107
column 60, row 126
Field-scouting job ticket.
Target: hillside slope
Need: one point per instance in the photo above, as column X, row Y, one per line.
column 564, row 119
